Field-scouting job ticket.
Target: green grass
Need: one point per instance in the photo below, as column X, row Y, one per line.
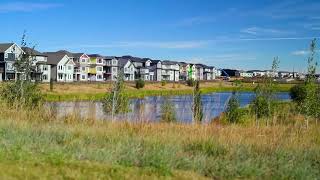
column 143, row 93
column 89, row 150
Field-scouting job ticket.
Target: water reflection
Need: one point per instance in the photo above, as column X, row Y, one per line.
column 149, row 108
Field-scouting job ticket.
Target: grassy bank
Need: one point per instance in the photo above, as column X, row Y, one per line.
column 37, row 145
column 96, row 91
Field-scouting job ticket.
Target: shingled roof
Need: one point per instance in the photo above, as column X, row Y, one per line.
column 32, row 51
column 5, row 46
column 54, row 57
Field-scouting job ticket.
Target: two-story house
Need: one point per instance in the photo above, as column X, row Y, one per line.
column 81, row 68
column 62, row 67
column 127, row 68
column 96, row 67
column 170, row 71
column 41, row 70
column 9, row 53
column 110, row 68
column 155, row 69
column 199, row 72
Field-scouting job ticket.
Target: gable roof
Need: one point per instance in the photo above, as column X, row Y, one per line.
column 32, row 51
column 95, row 55
column 122, row 62
column 54, row 57
column 5, row 46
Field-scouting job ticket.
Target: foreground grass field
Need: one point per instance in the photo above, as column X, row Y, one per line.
column 36, row 145
column 96, row 91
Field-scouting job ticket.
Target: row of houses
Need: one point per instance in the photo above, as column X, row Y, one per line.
column 65, row 66
column 260, row 73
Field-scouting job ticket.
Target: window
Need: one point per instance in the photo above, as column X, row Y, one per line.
column 45, row 68
column 99, row 68
column 131, row 68
column 60, row 76
column 99, row 77
column 83, row 60
column 114, row 69
column 69, row 67
column 60, row 67
column 44, row 77
column 114, row 62
column 83, row 77
column 99, row 60
column 126, row 69
column 83, row 68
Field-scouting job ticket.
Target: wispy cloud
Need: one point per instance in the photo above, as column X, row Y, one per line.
column 26, row 6
column 300, row 53
column 265, row 31
column 196, row 21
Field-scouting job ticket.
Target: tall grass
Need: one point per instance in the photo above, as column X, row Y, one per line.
column 44, row 144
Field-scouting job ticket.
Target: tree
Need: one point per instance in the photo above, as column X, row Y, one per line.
column 233, row 112
column 197, row 104
column 264, row 103
column 23, row 92
column 117, row 101
column 310, row 104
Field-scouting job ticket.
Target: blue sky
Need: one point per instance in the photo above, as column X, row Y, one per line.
column 227, row 34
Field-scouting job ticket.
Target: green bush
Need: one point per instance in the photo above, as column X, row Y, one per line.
column 233, row 113
column 191, row 82
column 22, row 93
column 140, row 83
column 163, row 83
column 298, row 93
column 167, row 112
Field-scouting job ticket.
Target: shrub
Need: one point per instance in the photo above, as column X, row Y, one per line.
column 163, row 83
column 140, row 83
column 167, row 112
column 191, row 82
column 233, row 113
column 22, row 93
column 298, row 93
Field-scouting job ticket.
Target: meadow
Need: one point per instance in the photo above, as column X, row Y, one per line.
column 36, row 144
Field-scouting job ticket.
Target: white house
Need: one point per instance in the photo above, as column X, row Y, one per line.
column 127, row 68
column 62, row 67
column 9, row 53
column 81, row 69
column 170, row 71
column 42, row 70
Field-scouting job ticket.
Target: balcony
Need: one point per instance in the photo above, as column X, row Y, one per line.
column 92, row 71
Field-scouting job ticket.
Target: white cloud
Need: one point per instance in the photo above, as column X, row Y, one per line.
column 26, row 7
column 264, row 31
column 300, row 53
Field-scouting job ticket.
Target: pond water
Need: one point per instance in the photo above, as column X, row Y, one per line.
column 149, row 108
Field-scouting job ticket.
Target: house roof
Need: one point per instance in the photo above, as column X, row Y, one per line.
column 32, row 51
column 5, row 46
column 65, row 52
column 169, row 62
column 95, row 55
column 122, row 62
column 77, row 55
column 54, row 57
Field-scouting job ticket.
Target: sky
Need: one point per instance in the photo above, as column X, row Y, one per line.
column 227, row 34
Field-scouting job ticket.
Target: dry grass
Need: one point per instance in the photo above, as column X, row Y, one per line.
column 160, row 150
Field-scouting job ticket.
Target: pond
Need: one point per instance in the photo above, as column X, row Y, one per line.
column 149, row 108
